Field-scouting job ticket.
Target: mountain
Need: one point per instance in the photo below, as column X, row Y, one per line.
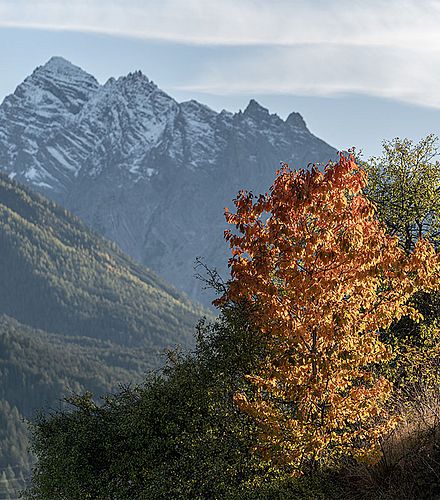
column 147, row 172
column 76, row 315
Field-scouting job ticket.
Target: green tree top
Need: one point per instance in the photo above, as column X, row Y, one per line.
column 405, row 185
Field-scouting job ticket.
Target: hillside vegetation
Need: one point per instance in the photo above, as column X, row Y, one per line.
column 59, row 276
column 76, row 315
column 319, row 379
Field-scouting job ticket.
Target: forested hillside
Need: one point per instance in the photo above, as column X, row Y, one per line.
column 76, row 315
column 36, row 370
column 59, row 276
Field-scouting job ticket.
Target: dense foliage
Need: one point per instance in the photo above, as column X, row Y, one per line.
column 38, row 369
column 404, row 183
column 59, row 276
column 179, row 435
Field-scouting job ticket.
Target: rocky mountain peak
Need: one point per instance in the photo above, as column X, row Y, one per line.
column 295, row 120
column 143, row 170
column 256, row 110
column 138, row 75
column 63, row 72
column 136, row 80
column 197, row 109
column 134, row 90
column 58, row 86
column 57, row 64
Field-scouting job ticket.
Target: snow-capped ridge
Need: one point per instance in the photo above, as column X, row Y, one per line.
column 58, row 63
column 152, row 174
column 134, row 77
column 54, row 89
column 60, row 68
column 193, row 107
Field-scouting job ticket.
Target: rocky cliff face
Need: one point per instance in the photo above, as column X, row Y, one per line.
column 152, row 174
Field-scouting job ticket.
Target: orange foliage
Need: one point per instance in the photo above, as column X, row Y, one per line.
column 323, row 277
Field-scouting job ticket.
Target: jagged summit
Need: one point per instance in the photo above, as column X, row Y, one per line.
column 137, row 81
column 58, row 83
column 134, row 87
column 133, row 78
column 134, row 75
column 59, row 64
column 258, row 115
column 256, row 110
column 296, row 120
column 61, row 69
column 150, row 173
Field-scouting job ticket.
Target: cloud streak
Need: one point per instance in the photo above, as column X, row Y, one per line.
column 389, row 49
column 327, row 70
column 283, row 22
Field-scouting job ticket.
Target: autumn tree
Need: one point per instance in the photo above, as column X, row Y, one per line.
column 322, row 276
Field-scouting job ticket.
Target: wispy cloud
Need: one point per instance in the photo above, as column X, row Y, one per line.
column 329, row 69
column 324, row 47
column 401, row 23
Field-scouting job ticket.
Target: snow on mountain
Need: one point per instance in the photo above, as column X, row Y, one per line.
column 121, row 123
column 150, row 173
column 201, row 135
column 46, row 102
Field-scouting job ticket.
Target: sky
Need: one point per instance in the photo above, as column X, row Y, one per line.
column 358, row 71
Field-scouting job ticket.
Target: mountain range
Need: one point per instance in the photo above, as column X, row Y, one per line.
column 145, row 171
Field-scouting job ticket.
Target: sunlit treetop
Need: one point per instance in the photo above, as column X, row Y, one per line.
column 404, row 183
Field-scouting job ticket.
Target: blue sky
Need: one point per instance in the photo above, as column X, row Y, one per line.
column 358, row 71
